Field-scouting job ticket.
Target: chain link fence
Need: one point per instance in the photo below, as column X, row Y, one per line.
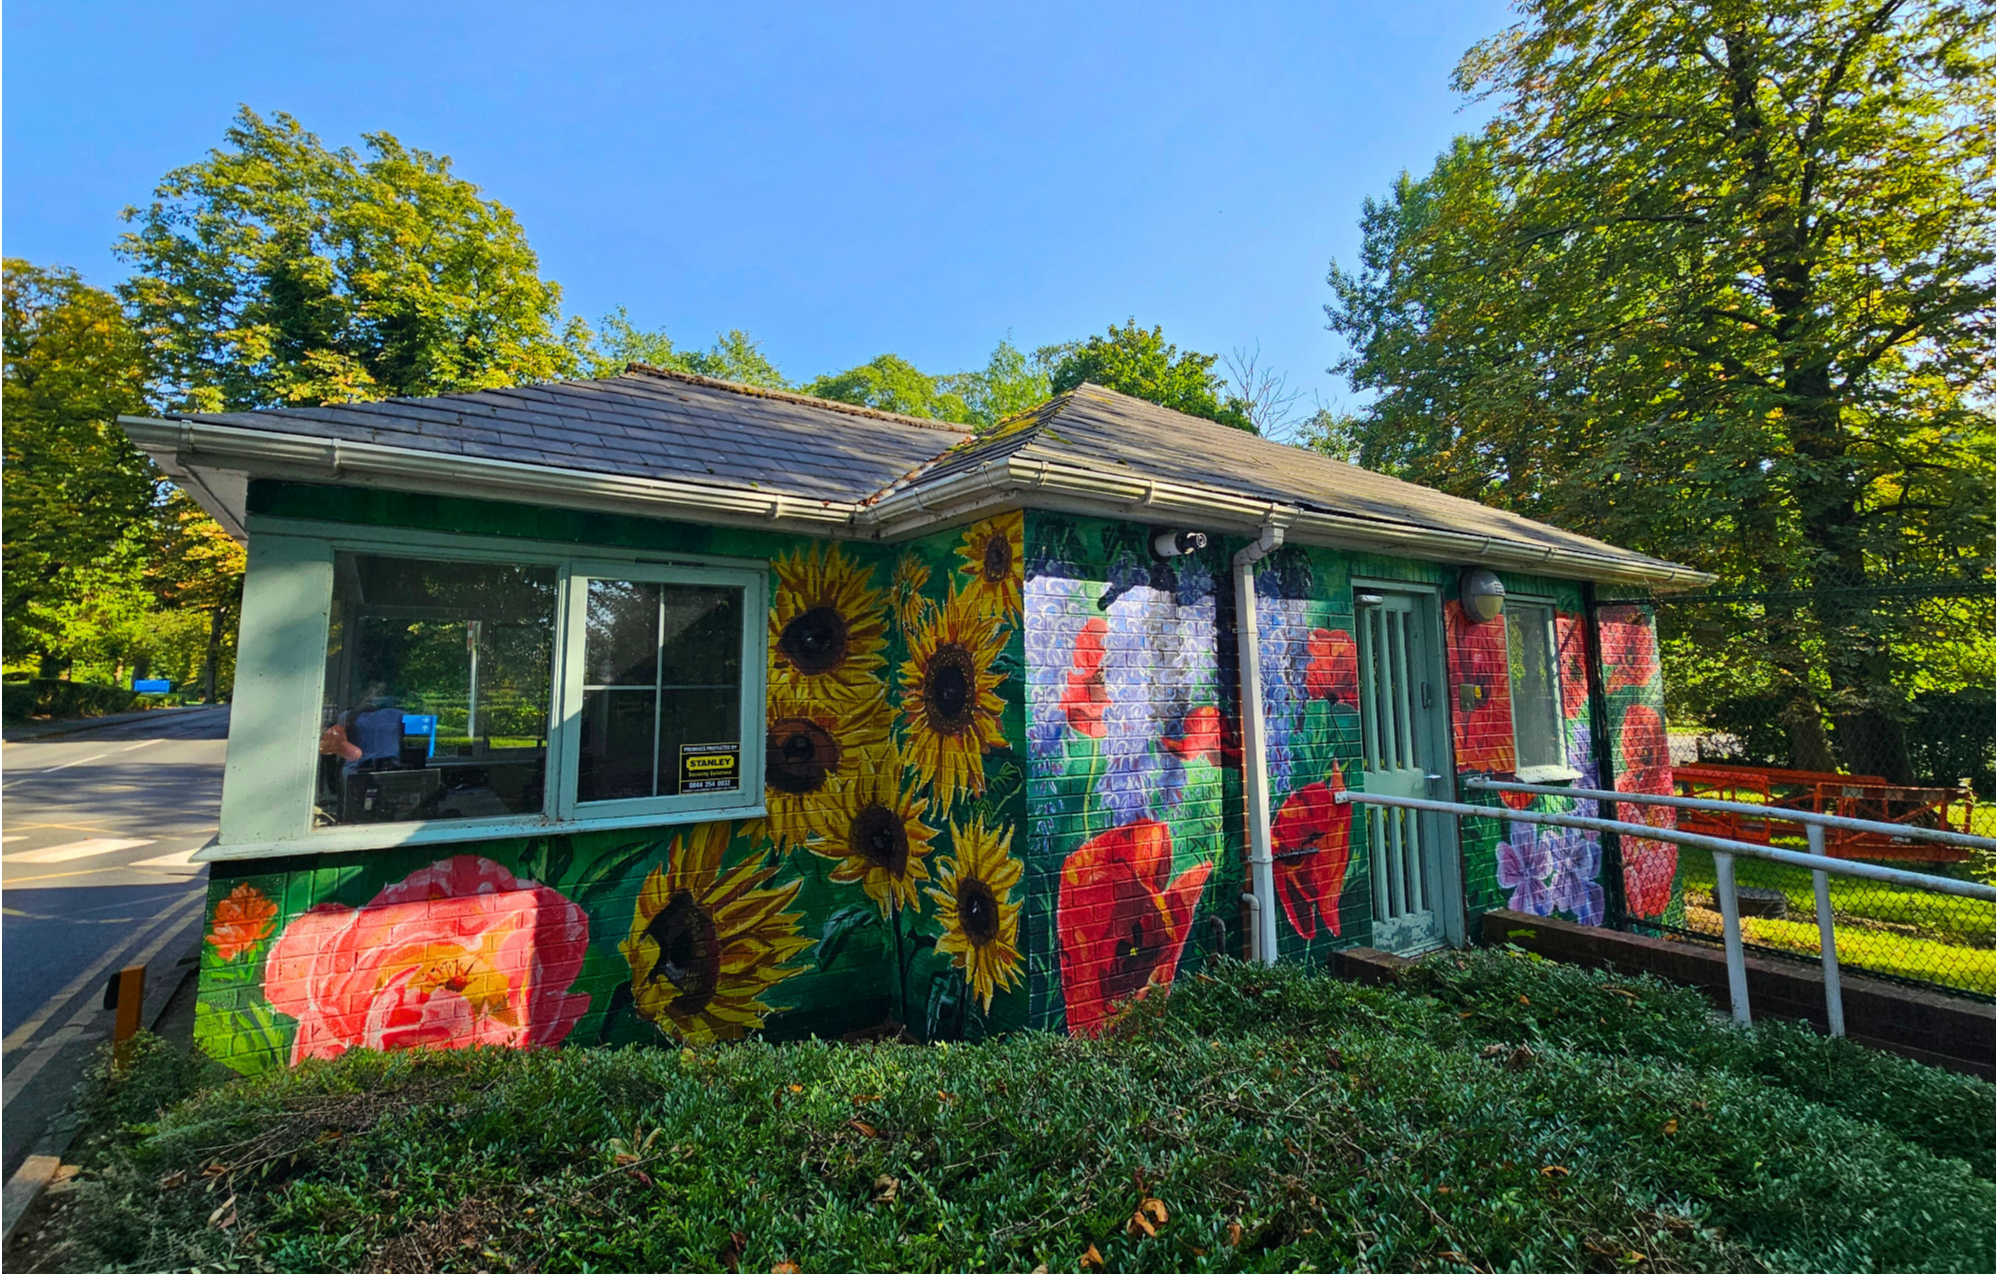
column 1876, row 703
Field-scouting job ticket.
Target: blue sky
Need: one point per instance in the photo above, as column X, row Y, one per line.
column 839, row 180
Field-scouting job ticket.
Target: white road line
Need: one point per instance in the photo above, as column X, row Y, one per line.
column 66, row 764
column 136, row 746
column 44, row 1053
column 115, row 959
column 7, row 839
column 78, row 849
column 178, row 858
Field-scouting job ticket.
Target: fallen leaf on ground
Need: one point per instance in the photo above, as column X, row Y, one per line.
column 885, row 1189
column 1091, row 1258
column 864, row 1129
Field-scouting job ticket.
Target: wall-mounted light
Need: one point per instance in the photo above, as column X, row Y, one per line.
column 1482, row 595
column 1368, row 599
column 1177, row 543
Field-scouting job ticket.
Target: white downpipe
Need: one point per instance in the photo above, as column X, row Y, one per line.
column 1254, row 741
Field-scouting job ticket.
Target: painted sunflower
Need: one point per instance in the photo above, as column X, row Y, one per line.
column 813, row 741
column 706, row 944
column 875, row 826
column 949, row 698
column 993, row 553
column 980, row 923
column 910, row 578
column 827, row 625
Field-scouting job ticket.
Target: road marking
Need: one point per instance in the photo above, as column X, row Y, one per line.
column 114, row 959
column 66, row 764
column 80, row 849
column 136, row 746
column 43, row 1053
column 72, row 920
column 178, row 858
column 5, row 839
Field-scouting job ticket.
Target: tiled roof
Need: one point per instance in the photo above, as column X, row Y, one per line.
column 644, row 423
column 1101, row 429
column 650, row 423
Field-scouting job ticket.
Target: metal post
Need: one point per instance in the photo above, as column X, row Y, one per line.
column 1826, row 925
column 1729, row 912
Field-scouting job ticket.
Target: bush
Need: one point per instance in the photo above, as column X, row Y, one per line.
column 58, row 699
column 1501, row 1115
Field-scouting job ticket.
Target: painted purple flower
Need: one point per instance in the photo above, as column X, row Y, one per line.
column 1056, row 611
column 1524, row 866
column 1284, row 628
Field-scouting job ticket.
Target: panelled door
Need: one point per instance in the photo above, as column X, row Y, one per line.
column 1400, row 705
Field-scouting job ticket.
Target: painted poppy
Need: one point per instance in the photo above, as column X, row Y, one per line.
column 1311, row 837
column 1572, row 666
column 242, row 920
column 1198, row 736
column 1122, row 921
column 1480, row 679
column 1333, row 670
column 1628, row 647
column 1085, row 700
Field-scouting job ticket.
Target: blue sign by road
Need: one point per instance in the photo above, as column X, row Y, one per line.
column 151, row 686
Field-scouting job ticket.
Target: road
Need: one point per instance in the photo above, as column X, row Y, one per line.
column 96, row 828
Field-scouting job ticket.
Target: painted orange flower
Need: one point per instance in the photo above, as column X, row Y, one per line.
column 242, row 920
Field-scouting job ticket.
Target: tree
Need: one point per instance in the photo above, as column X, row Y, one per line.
column 892, row 383
column 277, row 271
column 735, row 355
column 1717, row 282
column 1263, row 392
column 196, row 567
column 74, row 485
column 1139, row 363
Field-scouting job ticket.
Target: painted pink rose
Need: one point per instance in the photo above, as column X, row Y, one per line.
column 457, row 955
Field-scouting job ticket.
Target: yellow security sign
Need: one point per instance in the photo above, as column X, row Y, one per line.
column 710, row 767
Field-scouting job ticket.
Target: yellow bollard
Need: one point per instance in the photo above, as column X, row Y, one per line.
column 126, row 993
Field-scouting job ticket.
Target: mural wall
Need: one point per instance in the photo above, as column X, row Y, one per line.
column 1135, row 858
column 1633, row 680
column 884, row 888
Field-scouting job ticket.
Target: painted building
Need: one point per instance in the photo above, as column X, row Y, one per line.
column 657, row 708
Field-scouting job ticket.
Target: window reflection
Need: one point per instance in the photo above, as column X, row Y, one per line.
column 662, row 673
column 1535, row 699
column 437, row 690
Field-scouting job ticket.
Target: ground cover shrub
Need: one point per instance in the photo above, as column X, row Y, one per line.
column 1256, row 1120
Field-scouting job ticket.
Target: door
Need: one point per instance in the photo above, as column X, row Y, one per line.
column 1400, row 707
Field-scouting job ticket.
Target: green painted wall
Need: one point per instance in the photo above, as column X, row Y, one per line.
column 883, row 888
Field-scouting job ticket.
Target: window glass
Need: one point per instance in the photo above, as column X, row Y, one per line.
column 437, row 690
column 662, row 684
column 1535, row 703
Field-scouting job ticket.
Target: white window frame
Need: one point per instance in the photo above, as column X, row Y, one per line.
column 268, row 777
column 1560, row 771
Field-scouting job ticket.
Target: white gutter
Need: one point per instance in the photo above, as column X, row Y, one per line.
column 1254, row 743
column 182, row 447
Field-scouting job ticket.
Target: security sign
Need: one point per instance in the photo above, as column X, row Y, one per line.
column 710, row 767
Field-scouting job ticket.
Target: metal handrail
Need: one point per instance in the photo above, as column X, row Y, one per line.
column 1723, row 853
column 1902, row 831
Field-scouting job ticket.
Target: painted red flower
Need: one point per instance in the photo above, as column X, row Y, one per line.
column 1122, row 922
column 1628, row 647
column 1480, row 681
column 1199, row 736
column 1333, row 670
column 1572, row 637
column 1649, row 867
column 242, row 920
column 1086, row 697
column 1311, row 837
column 458, row 954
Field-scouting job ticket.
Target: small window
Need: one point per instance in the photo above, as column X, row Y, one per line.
column 436, row 691
column 1536, row 724
column 661, row 693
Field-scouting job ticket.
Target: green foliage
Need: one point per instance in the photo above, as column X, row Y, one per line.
column 1715, row 283
column 1259, row 1120
column 1141, row 364
column 735, row 355
column 892, row 383
column 278, row 271
column 74, row 486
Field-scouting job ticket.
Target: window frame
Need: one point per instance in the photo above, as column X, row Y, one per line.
column 572, row 615
column 1550, row 772
column 267, row 794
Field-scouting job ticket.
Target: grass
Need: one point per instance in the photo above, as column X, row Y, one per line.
column 1937, row 938
column 1497, row 1114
